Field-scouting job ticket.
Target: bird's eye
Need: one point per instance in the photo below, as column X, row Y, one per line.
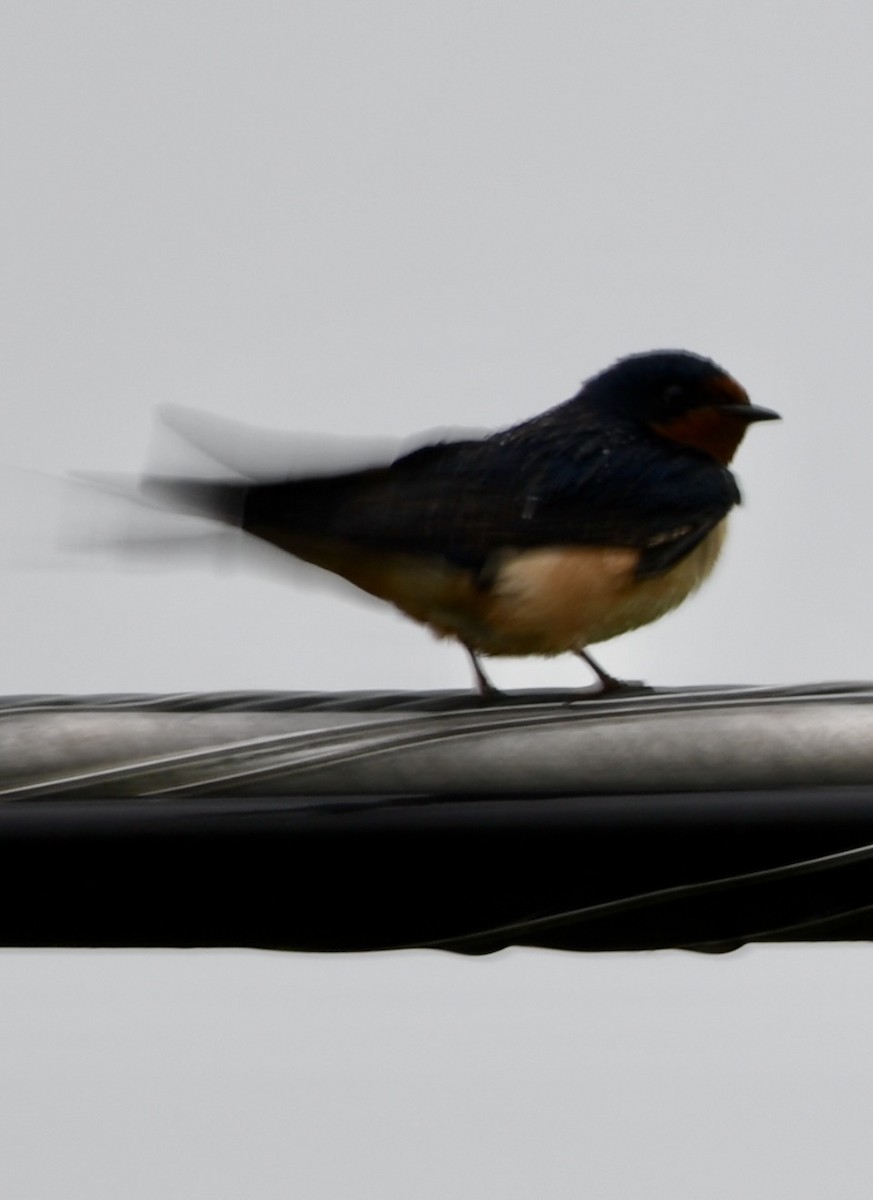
column 674, row 395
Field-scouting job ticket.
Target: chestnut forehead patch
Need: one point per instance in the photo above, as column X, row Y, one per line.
column 728, row 390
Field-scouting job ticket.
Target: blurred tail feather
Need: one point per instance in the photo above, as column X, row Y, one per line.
column 217, row 500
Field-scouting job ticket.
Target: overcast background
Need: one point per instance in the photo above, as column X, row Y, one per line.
column 373, row 217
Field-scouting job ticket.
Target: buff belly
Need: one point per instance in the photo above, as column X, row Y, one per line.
column 543, row 602
column 552, row 600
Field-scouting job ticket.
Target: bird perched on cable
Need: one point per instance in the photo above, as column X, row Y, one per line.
column 592, row 519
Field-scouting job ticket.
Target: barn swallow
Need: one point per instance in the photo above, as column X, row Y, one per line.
column 594, row 518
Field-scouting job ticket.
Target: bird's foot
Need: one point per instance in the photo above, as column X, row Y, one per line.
column 608, row 683
column 484, row 686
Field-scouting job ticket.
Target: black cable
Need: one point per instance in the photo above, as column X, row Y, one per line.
column 524, row 931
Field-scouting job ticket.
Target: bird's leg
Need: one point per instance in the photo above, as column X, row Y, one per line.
column 483, row 683
column 608, row 682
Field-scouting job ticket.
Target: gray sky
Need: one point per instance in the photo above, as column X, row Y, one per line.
column 379, row 218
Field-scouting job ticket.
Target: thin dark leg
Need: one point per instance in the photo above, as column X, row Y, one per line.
column 608, row 682
column 483, row 683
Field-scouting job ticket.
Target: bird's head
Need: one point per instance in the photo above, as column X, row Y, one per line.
column 680, row 396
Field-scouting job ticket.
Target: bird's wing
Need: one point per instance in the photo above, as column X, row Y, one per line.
column 466, row 501
column 645, row 494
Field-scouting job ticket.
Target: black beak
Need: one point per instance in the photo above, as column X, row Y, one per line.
column 749, row 412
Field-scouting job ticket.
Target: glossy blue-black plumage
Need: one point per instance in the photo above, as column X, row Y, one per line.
column 591, row 471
